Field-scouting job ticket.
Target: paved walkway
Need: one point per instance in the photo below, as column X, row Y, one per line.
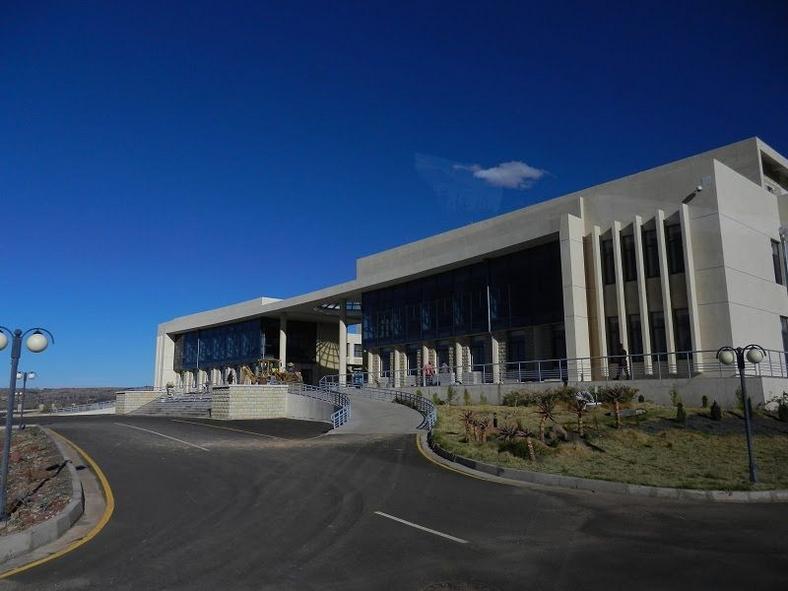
column 372, row 416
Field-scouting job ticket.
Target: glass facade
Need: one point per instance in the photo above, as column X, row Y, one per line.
column 523, row 288
column 230, row 344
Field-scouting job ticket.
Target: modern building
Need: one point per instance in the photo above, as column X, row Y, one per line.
column 668, row 264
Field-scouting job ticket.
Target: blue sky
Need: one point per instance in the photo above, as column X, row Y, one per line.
column 158, row 159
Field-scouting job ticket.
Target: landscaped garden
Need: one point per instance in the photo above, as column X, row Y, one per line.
column 625, row 438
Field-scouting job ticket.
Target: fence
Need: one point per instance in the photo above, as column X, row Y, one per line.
column 84, row 407
column 657, row 366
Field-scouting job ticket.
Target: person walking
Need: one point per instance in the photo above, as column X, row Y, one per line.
column 623, row 362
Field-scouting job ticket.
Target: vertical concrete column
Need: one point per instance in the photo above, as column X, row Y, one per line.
column 664, row 278
column 458, row 361
column 283, row 341
column 645, row 331
column 623, row 333
column 395, row 368
column 425, row 357
column 689, row 277
column 494, row 356
column 343, row 342
column 599, row 290
column 573, row 278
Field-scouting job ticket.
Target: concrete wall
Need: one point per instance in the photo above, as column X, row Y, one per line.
column 723, row 390
column 126, row 402
column 308, row 409
column 237, row 402
column 249, row 402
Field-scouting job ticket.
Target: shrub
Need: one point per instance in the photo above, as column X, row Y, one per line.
column 675, row 397
column 519, row 448
column 681, row 414
column 515, row 398
column 704, row 401
column 716, row 412
column 739, row 399
column 618, row 395
column 782, row 411
column 483, row 400
column 419, row 394
column 641, row 398
column 466, row 397
column 435, row 400
column 450, row 395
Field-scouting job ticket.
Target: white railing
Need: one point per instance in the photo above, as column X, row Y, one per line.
column 84, row 407
column 656, row 366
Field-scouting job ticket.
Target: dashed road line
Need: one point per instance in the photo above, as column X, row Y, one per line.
column 163, row 435
column 422, row 528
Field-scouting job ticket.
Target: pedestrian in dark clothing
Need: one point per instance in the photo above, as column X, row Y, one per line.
column 623, row 362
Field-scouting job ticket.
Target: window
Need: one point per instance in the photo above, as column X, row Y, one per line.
column 385, row 360
column 628, row 257
column 650, row 253
column 608, row 264
column 681, row 324
column 784, row 327
column 659, row 342
column 635, row 335
column 479, row 351
column 777, row 260
column 675, row 249
column 412, row 355
column 613, row 340
column 515, row 348
column 357, row 350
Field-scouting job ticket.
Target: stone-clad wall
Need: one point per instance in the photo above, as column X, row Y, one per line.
column 125, row 402
column 249, row 402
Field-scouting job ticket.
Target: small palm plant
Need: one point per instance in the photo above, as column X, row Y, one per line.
column 527, row 434
column 545, row 407
column 467, row 423
column 482, row 427
column 511, row 433
column 618, row 395
column 578, row 406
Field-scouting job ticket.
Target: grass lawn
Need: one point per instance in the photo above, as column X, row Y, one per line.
column 651, row 449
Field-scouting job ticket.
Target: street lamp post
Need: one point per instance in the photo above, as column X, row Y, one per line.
column 36, row 343
column 24, row 376
column 754, row 354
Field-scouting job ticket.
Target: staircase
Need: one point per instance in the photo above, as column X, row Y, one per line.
column 190, row 405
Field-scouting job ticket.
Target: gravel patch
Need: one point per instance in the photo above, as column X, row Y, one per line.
column 39, row 483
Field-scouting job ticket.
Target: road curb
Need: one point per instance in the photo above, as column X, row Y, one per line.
column 496, row 473
column 18, row 544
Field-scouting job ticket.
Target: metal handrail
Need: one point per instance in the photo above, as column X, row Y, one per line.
column 341, row 401
column 663, row 365
column 424, row 406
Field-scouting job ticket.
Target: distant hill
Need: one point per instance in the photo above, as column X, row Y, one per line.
column 64, row 396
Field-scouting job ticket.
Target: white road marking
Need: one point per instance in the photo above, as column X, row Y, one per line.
column 165, row 436
column 223, row 428
column 422, row 528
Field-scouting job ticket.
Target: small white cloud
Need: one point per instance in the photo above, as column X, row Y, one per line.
column 507, row 175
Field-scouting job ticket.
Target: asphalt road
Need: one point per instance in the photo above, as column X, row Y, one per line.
column 226, row 510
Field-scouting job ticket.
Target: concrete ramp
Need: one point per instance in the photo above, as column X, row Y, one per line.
column 376, row 417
